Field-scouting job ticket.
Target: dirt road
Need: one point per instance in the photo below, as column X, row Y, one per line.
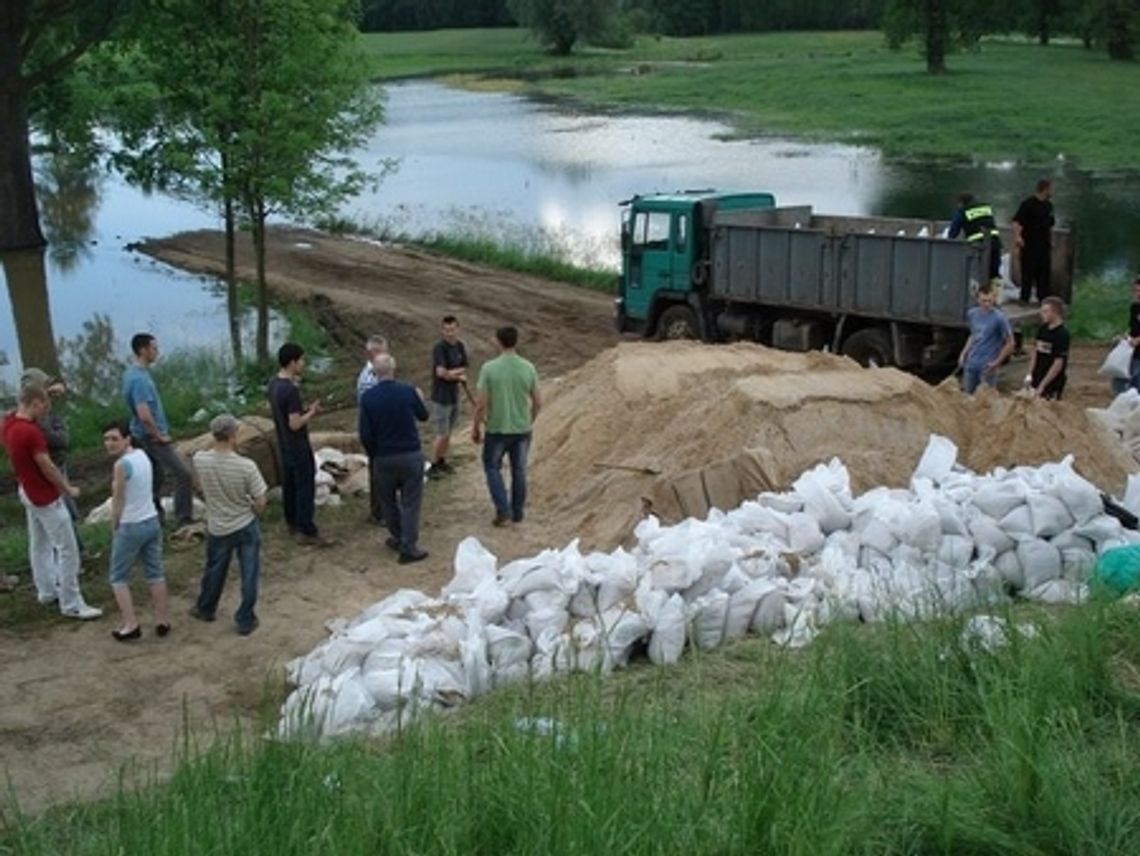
column 75, row 705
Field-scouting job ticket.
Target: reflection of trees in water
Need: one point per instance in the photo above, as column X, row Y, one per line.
column 90, row 360
column 68, row 187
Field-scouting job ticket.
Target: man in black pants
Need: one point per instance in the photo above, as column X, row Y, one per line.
column 1050, row 357
column 298, row 467
column 974, row 220
column 1033, row 235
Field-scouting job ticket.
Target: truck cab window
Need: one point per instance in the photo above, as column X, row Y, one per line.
column 651, row 230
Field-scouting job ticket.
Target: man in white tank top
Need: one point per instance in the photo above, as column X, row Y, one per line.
column 137, row 532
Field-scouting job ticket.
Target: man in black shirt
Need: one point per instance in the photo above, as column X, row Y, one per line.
column 448, row 373
column 1033, row 235
column 1120, row 385
column 1050, row 357
column 298, row 467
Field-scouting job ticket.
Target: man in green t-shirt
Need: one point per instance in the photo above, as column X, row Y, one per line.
column 507, row 404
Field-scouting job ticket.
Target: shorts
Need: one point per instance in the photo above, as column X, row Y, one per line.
column 140, row 541
column 444, row 418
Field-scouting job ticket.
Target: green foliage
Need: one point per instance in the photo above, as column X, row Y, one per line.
column 702, row 17
column 1118, row 25
column 559, row 24
column 432, row 14
column 939, row 26
column 1100, row 309
column 894, row 739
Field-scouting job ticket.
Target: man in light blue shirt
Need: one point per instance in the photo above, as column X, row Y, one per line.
column 151, row 431
column 990, row 343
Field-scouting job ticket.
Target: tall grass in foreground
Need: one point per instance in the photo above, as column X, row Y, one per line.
column 894, row 739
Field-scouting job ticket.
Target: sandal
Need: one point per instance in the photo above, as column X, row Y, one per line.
column 161, row 630
column 127, row 635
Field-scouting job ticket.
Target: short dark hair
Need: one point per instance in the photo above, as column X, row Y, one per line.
column 140, row 341
column 449, row 319
column 1057, row 303
column 508, row 336
column 1043, row 184
column 119, row 425
column 289, row 352
column 965, row 198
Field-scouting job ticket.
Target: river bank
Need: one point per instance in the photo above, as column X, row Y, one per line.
column 1008, row 100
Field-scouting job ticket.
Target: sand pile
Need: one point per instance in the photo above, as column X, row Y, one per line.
column 684, row 426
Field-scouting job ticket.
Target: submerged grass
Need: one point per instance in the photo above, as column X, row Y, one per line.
column 839, row 86
column 890, row 739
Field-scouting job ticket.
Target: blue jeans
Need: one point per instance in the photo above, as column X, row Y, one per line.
column 399, row 481
column 299, row 490
column 516, row 447
column 1120, row 384
column 219, row 550
column 973, row 378
column 137, row 541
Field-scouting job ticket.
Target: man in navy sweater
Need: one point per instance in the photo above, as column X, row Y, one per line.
column 388, row 415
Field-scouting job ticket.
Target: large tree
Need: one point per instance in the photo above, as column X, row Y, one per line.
column 1118, row 24
column 939, row 26
column 40, row 40
column 559, row 24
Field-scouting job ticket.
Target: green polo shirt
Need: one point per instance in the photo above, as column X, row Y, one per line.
column 508, row 382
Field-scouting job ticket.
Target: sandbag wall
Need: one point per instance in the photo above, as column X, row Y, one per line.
column 783, row 565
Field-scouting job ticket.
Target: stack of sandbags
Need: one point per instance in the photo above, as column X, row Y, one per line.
column 783, row 564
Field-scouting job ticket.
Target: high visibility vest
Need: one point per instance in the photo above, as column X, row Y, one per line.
column 979, row 222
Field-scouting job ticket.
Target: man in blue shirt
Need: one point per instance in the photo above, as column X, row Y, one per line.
column 151, row 431
column 388, row 415
column 990, row 343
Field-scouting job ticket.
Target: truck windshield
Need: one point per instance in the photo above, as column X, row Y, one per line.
column 651, row 230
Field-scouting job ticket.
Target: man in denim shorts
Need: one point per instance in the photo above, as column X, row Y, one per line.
column 137, row 533
column 448, row 373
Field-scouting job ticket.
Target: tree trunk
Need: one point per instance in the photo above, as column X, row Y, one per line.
column 20, row 220
column 233, row 310
column 27, row 289
column 936, row 36
column 258, row 224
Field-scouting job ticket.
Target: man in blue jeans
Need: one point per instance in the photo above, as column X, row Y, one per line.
column 235, row 495
column 508, row 403
column 389, row 412
column 990, row 344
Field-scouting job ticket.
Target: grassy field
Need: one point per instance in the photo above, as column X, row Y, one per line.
column 877, row 740
column 1008, row 100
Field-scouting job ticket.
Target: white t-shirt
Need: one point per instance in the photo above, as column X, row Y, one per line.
column 138, row 498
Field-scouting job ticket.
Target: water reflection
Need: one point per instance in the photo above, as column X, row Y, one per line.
column 68, row 188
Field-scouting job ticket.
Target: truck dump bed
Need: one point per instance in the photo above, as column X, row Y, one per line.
column 871, row 266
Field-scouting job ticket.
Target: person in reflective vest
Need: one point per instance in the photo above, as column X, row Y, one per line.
column 975, row 220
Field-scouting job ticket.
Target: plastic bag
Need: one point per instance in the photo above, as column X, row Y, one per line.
column 668, row 639
column 1118, row 363
column 937, row 460
column 1118, row 570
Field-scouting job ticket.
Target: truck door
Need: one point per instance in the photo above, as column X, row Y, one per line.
column 651, row 254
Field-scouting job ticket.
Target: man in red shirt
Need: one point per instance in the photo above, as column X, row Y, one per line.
column 52, row 550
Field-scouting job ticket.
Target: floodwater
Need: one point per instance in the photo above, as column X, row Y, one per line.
column 495, row 165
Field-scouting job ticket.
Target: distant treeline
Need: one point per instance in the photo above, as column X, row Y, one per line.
column 383, row 15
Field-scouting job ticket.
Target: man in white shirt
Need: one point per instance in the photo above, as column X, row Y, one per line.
column 137, row 533
column 235, row 495
column 367, row 379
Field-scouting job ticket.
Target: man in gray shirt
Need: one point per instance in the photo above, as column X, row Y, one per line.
column 235, row 495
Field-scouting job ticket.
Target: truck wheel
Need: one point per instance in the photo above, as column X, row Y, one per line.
column 870, row 348
column 677, row 322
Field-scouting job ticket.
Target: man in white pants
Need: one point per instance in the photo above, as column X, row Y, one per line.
column 52, row 550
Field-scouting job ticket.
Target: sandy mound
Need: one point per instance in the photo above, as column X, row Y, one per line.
column 685, row 425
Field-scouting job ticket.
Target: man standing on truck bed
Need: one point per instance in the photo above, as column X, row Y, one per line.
column 975, row 220
column 990, row 343
column 1033, row 235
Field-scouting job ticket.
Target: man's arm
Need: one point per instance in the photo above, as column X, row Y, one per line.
column 146, row 417
column 1051, row 375
column 418, row 406
column 258, row 491
column 1032, row 366
column 300, row 416
column 364, row 428
column 957, row 223
column 52, row 474
column 535, row 402
column 118, row 493
column 482, row 401
column 1006, row 349
column 965, row 351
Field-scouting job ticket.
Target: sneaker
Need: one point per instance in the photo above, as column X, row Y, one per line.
column 83, row 612
column 245, row 630
column 416, row 555
column 517, row 518
column 315, row 541
column 201, row 616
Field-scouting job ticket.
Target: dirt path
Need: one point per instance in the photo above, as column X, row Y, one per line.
column 75, row 705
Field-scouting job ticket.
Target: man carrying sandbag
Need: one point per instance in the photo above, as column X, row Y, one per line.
column 1122, row 384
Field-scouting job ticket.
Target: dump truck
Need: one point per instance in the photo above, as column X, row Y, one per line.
column 735, row 266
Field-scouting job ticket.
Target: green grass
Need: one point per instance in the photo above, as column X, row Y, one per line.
column 1007, row 100
column 893, row 739
column 1100, row 309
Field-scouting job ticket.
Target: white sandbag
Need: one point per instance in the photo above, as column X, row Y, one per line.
column 1079, row 495
column 1118, row 362
column 734, row 580
column 1058, row 592
column 950, row 517
column 937, row 459
column 742, row 606
column 668, row 638
column 987, row 534
column 399, row 602
column 804, row 534
column 787, row 503
column 546, row 620
column 1100, row 529
column 1018, row 523
column 822, row 490
column 770, row 613
column 506, row 647
column 1050, row 515
column 587, row 651
column 1077, row 562
column 706, row 616
column 475, row 659
column 623, row 629
column 441, row 681
column 617, row 576
column 799, row 626
column 1040, row 562
column 955, row 551
column 1131, row 495
column 1008, row 565
column 997, row 499
column 473, row 563
column 546, row 599
column 922, row 529
column 752, row 518
column 878, row 536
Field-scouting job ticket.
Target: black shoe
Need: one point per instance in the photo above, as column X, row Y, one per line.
column 315, row 541
column 416, row 555
column 245, row 630
column 127, row 635
column 201, row 616
column 392, row 543
column 517, row 518
column 501, row 520
column 162, row 630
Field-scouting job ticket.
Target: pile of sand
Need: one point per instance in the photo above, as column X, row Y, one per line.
column 683, row 426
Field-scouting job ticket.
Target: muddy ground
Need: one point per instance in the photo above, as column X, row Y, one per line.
column 78, row 706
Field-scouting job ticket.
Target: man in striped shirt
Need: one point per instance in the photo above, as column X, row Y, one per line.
column 235, row 495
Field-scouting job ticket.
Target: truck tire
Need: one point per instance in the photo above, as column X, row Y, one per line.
column 677, row 322
column 870, row 347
